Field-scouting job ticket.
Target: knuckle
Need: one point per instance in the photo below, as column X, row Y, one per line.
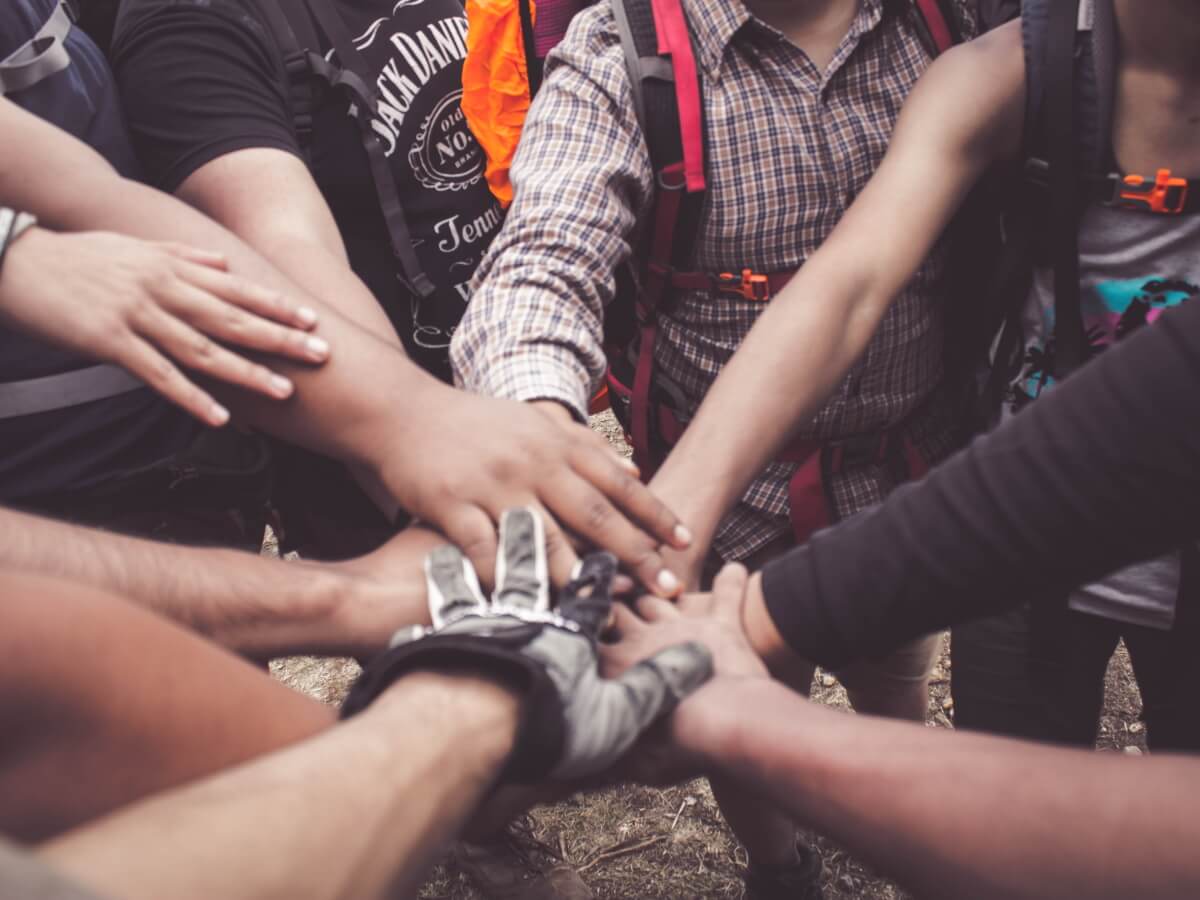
column 234, row 322
column 203, row 349
column 598, row 514
column 644, row 556
column 162, row 372
column 139, row 309
column 556, row 542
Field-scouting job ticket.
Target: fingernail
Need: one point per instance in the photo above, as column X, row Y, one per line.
column 630, row 465
column 682, row 535
column 281, row 386
column 317, row 346
column 306, row 316
column 220, row 415
column 667, row 582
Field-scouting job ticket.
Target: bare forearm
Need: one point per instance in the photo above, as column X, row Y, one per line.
column 70, row 187
column 245, row 602
column 358, row 812
column 790, row 362
column 298, row 236
column 809, row 337
column 959, row 815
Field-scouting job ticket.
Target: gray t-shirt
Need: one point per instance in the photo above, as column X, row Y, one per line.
column 1132, row 267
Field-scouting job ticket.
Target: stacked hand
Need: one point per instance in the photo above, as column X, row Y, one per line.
column 484, row 455
column 699, row 728
column 153, row 308
column 575, row 723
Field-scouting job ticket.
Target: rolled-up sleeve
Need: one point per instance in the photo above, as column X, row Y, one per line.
column 582, row 181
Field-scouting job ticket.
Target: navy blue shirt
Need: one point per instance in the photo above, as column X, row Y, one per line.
column 69, row 449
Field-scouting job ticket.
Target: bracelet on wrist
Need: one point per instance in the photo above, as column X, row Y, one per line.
column 13, row 224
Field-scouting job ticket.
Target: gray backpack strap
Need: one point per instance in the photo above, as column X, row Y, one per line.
column 38, row 395
column 43, row 55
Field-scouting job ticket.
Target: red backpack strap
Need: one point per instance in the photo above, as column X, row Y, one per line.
column 938, row 25
column 660, row 58
column 675, row 41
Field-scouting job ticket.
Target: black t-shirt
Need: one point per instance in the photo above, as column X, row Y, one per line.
column 204, row 79
column 1102, row 472
column 69, row 449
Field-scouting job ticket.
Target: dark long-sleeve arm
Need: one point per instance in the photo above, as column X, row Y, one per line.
column 1102, row 472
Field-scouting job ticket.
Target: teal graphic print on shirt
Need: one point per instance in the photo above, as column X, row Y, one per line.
column 1111, row 310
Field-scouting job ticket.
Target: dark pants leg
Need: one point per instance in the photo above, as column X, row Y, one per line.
column 1034, row 675
column 1167, row 666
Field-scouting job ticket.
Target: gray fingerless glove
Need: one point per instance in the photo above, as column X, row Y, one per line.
column 575, row 723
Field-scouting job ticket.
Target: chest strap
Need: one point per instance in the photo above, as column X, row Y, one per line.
column 43, row 55
column 747, row 284
column 1164, row 194
column 39, row 395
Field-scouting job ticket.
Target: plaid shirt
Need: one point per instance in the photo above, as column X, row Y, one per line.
column 789, row 147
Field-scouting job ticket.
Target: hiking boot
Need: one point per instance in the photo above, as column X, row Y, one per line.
column 799, row 880
column 502, row 871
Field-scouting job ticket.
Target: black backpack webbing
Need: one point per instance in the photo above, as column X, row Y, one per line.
column 675, row 218
column 652, row 78
column 1058, row 125
column 534, row 65
column 303, row 62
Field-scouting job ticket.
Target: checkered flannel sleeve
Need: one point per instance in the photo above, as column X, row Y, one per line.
column 582, row 179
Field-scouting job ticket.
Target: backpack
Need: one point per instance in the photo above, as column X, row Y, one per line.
column 1070, row 71
column 507, row 45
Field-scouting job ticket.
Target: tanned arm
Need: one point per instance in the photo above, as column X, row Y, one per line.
column 451, row 459
column 959, row 815
column 243, row 191
column 947, row 814
column 964, row 114
column 359, row 812
column 256, row 606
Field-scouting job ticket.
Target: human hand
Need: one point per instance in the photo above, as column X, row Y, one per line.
column 153, row 308
column 575, row 723
column 678, row 748
column 480, row 456
column 384, row 592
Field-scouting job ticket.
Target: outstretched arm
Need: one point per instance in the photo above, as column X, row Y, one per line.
column 1100, row 473
column 357, row 812
column 453, row 460
column 258, row 607
column 964, row 114
column 949, row 815
column 958, row 815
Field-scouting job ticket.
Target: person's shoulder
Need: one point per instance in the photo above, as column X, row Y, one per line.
column 978, row 90
column 999, row 52
column 592, row 42
column 137, row 15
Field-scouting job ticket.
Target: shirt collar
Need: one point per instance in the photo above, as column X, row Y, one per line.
column 716, row 22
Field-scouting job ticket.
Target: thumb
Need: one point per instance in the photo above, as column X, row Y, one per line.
column 621, row 709
column 656, row 685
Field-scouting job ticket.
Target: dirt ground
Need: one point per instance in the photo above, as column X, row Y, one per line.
column 671, row 844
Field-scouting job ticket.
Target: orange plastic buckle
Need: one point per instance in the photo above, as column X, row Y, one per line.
column 1165, row 195
column 748, row 284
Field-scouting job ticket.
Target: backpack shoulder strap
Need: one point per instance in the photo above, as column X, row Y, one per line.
column 669, row 103
column 534, row 65
column 295, row 23
column 937, row 25
column 296, row 64
column 1053, row 125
